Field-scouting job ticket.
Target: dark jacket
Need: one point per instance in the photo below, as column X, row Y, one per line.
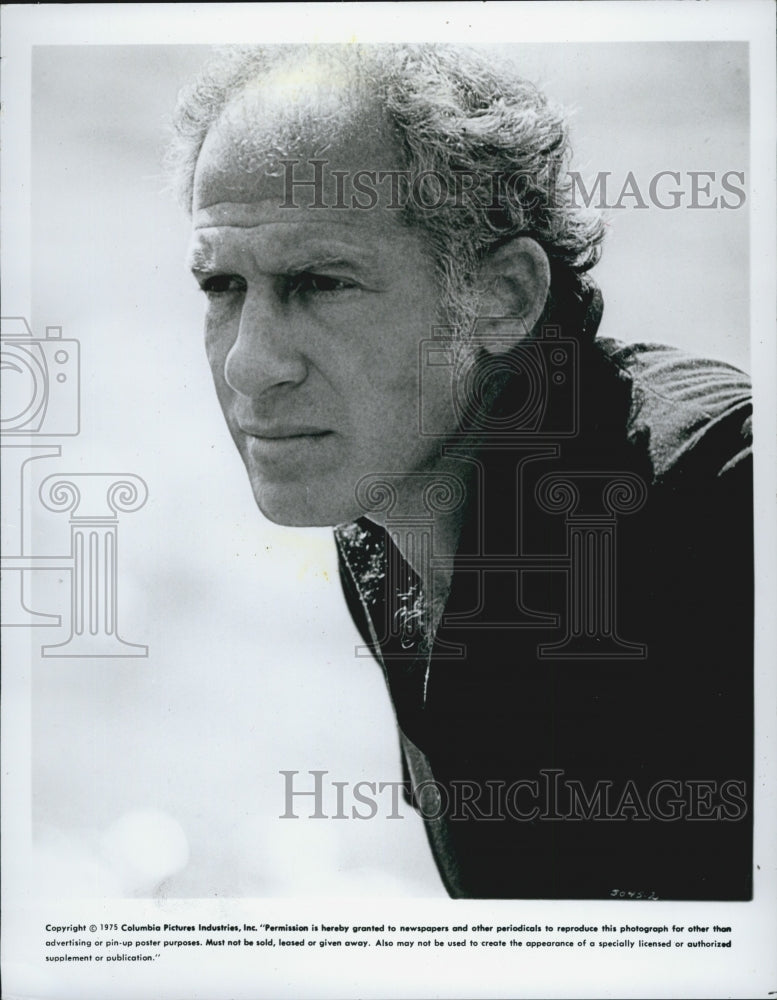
column 582, row 727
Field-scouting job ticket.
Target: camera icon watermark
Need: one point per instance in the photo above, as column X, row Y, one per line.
column 501, row 388
column 40, row 381
column 40, row 403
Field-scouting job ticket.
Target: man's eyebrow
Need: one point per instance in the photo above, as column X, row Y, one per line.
column 315, row 262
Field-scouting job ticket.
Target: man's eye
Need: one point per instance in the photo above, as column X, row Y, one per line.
column 218, row 284
column 307, row 282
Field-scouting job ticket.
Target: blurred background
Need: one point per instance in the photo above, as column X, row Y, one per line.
column 160, row 775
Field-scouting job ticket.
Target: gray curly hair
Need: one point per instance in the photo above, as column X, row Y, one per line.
column 450, row 110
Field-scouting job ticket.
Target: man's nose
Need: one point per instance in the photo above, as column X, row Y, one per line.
column 265, row 353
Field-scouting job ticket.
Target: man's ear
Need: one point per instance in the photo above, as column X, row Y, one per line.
column 514, row 282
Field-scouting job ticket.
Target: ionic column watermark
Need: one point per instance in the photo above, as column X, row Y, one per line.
column 94, row 501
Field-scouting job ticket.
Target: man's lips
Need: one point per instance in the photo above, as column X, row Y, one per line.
column 284, row 432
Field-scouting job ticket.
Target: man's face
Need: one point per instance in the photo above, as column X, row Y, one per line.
column 314, row 320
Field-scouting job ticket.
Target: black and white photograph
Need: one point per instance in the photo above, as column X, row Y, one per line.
column 388, row 452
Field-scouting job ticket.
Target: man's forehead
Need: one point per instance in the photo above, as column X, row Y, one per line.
column 299, row 221
column 267, row 238
column 258, row 133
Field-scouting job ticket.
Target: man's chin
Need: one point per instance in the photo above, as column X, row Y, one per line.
column 299, row 506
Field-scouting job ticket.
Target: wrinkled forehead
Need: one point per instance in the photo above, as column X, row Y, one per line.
column 307, row 112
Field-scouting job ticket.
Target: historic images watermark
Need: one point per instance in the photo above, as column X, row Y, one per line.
column 549, row 795
column 306, row 186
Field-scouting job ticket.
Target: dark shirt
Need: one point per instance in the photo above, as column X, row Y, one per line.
column 582, row 724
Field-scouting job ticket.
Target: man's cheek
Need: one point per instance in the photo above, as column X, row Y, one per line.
column 216, row 351
column 224, row 393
